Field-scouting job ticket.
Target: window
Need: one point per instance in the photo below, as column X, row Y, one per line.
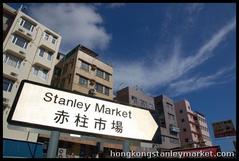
column 143, row 103
column 41, row 52
column 189, row 107
column 170, row 106
column 85, row 66
column 46, row 36
column 106, row 92
column 57, row 71
column 50, row 55
column 19, row 41
column 27, row 25
column 83, row 81
column 173, row 140
column 12, row 60
column 171, row 116
column 163, row 138
column 99, row 88
column 53, row 40
column 65, row 68
column 182, row 120
column 186, row 140
column 7, row 84
column 69, row 80
column 181, row 111
column 40, row 72
column 107, row 76
column 134, row 99
column 184, row 129
column 197, row 127
column 100, row 73
column 62, row 83
column 151, row 106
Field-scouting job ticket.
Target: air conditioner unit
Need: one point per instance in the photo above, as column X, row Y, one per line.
column 93, row 67
column 14, row 74
column 22, row 52
column 21, row 30
column 91, row 92
column 92, row 82
column 29, row 34
column 5, row 100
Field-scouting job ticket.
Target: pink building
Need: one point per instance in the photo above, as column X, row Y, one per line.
column 193, row 126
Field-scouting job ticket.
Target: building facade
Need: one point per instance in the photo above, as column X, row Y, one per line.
column 9, row 15
column 193, row 126
column 81, row 71
column 136, row 97
column 168, row 123
column 29, row 52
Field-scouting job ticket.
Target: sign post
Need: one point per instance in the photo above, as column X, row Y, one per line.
column 41, row 106
column 53, row 144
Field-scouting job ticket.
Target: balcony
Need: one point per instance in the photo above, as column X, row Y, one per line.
column 174, row 128
column 24, row 32
column 17, row 51
column 48, row 45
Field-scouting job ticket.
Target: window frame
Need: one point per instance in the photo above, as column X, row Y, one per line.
column 84, row 64
column 46, row 36
column 108, row 89
column 9, row 85
column 39, row 52
column 23, row 22
column 7, row 57
column 49, row 54
column 40, row 72
column 86, row 81
column 97, row 85
column 17, row 38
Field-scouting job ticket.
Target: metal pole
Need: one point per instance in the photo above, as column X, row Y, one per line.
column 53, row 144
column 126, row 146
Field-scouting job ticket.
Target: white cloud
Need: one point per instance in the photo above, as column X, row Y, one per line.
column 196, row 83
column 77, row 24
column 115, row 5
column 161, row 71
column 194, row 8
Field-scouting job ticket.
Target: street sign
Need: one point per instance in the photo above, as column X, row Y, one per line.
column 42, row 106
column 223, row 129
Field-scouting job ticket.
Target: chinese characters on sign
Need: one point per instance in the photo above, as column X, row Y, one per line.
column 62, row 116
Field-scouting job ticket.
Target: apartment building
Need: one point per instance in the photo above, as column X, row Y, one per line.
column 9, row 14
column 82, row 71
column 193, row 126
column 168, row 123
column 29, row 52
column 136, row 97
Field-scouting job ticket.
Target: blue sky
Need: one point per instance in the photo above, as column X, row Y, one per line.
column 186, row 51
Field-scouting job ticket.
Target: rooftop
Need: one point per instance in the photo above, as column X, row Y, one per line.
column 83, row 49
column 199, row 113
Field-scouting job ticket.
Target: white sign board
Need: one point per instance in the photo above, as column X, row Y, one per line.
column 38, row 104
